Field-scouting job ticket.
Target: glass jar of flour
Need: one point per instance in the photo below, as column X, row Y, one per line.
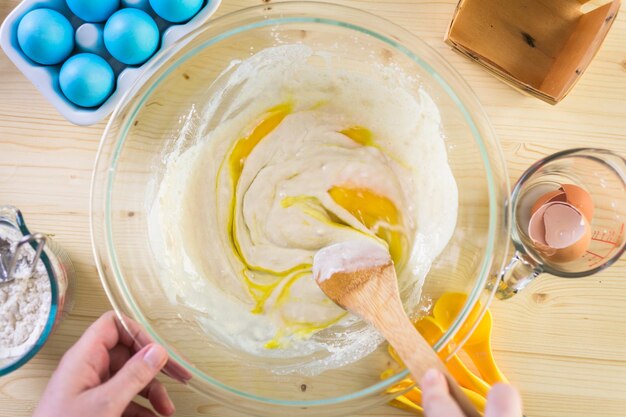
column 36, row 277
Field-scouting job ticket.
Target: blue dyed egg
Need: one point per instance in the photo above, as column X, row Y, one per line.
column 93, row 10
column 176, row 11
column 86, row 80
column 131, row 36
column 45, row 36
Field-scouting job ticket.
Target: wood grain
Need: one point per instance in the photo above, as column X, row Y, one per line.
column 562, row 342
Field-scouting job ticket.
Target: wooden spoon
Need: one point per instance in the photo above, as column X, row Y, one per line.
column 360, row 277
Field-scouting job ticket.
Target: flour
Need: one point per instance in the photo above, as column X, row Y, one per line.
column 24, row 302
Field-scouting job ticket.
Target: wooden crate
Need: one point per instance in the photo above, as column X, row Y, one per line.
column 538, row 46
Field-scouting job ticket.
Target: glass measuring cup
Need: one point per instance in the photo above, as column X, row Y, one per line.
column 602, row 174
column 59, row 270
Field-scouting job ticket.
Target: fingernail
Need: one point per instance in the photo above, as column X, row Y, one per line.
column 155, row 356
column 431, row 376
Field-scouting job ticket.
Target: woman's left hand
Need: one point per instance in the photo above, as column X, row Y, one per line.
column 103, row 372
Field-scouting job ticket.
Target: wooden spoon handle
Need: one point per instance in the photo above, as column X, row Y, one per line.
column 416, row 353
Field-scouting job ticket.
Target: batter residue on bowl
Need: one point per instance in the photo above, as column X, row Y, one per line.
column 304, row 156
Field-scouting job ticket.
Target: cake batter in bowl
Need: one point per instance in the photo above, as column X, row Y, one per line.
column 262, row 138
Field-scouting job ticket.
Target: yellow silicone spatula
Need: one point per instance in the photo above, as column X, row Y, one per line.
column 411, row 400
column 478, row 345
column 432, row 332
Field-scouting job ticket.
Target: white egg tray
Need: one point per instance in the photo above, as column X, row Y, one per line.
column 46, row 78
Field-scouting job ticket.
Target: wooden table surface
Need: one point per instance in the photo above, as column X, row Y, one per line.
column 562, row 342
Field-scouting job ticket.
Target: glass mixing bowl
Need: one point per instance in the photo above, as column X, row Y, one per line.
column 158, row 114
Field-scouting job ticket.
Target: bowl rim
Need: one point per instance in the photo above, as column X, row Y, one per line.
column 393, row 35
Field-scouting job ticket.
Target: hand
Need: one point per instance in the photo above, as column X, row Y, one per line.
column 103, row 372
column 503, row 399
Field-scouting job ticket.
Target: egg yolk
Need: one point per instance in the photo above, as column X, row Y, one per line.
column 376, row 212
column 360, row 135
column 245, row 145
